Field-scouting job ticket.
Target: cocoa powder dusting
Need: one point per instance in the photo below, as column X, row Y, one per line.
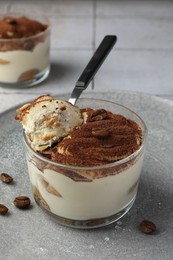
column 103, row 139
column 20, row 28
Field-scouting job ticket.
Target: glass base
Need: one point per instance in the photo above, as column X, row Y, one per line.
column 28, row 83
column 91, row 223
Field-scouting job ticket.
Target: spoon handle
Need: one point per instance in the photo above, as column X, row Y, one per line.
column 92, row 67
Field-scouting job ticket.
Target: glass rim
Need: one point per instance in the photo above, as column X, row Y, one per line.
column 108, row 165
column 35, row 15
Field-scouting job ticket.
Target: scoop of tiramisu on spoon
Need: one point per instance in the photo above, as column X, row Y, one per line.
column 44, row 120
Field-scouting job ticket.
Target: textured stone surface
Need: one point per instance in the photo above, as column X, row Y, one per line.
column 31, row 234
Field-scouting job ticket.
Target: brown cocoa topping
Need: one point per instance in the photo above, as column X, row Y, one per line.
column 22, row 202
column 11, row 21
column 98, row 141
column 147, row 227
column 3, row 209
column 6, row 178
column 20, row 28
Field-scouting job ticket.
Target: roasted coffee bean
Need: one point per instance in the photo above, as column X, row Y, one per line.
column 3, row 209
column 4, row 177
column 22, row 202
column 100, row 133
column 147, row 227
column 99, row 114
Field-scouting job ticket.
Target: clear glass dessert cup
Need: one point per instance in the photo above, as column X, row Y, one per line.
column 88, row 197
column 25, row 62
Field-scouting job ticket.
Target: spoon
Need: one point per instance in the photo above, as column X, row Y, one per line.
column 92, row 67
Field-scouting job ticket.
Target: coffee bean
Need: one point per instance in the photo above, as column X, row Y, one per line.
column 100, row 133
column 99, row 114
column 22, row 202
column 4, row 177
column 147, row 227
column 3, row 209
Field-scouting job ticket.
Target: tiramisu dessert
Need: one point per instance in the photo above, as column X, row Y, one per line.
column 24, row 50
column 84, row 161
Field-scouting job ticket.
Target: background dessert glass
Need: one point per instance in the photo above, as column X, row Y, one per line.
column 24, row 62
column 88, row 197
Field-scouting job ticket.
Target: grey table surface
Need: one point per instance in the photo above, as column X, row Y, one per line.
column 31, row 234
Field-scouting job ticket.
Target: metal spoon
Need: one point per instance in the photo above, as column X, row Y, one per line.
column 91, row 69
column 94, row 64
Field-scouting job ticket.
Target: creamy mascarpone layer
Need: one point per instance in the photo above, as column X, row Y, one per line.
column 87, row 200
column 20, row 61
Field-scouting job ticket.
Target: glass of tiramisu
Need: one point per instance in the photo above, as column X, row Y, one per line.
column 84, row 161
column 24, row 50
